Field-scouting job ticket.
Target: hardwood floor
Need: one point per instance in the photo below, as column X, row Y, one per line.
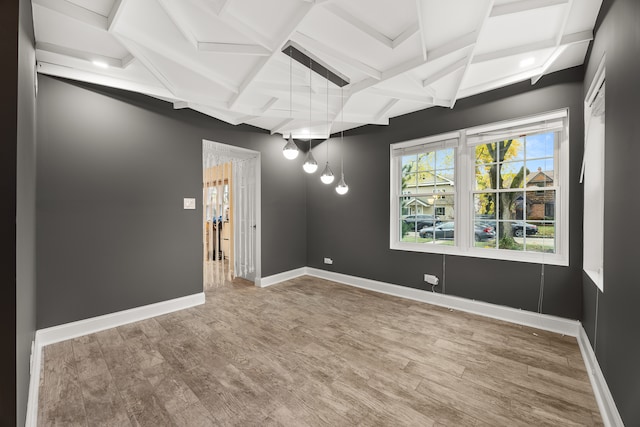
column 310, row 352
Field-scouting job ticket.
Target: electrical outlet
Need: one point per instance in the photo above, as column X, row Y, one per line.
column 328, row 261
column 431, row 279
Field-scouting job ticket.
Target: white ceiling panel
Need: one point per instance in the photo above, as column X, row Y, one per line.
column 223, row 57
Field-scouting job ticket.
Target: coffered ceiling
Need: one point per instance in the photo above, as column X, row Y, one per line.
column 224, row 58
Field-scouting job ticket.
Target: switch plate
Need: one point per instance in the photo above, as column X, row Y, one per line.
column 189, row 203
column 328, row 261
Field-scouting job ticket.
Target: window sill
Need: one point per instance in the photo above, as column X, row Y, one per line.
column 496, row 254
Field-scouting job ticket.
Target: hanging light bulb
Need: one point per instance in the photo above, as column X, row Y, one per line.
column 342, row 188
column 310, row 165
column 327, row 175
column 290, row 150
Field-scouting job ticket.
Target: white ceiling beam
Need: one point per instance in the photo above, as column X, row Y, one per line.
column 423, row 33
column 388, row 106
column 498, row 83
column 465, row 70
column 523, row 6
column 79, row 54
column 406, row 35
column 269, row 87
column 222, row 6
column 283, row 37
column 280, row 126
column 266, row 107
column 415, row 97
column 179, row 20
column 76, row 12
column 179, row 105
column 560, row 49
column 139, row 53
column 573, row 38
column 103, row 80
column 443, row 72
column 179, row 57
column 127, row 60
column 455, row 45
column 115, row 14
column 312, row 44
column 360, row 25
column 233, row 48
column 517, row 50
column 211, row 9
column 463, row 42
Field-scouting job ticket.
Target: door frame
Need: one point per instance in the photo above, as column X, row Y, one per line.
column 235, row 152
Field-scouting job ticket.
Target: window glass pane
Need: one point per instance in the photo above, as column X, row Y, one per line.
column 445, row 233
column 407, row 231
column 427, row 161
column 444, row 207
column 513, row 150
column 484, row 175
column 444, row 180
column 507, row 235
column 510, row 205
column 512, row 175
column 541, row 205
column 544, row 238
column 541, row 173
column 486, row 153
column 445, row 159
column 540, row 145
column 484, row 206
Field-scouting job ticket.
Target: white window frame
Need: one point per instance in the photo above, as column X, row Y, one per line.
column 593, row 169
column 464, row 181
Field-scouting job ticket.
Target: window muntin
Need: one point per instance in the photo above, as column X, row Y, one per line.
column 519, row 190
column 427, row 196
column 504, row 171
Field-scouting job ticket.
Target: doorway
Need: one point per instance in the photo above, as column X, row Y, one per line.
column 231, row 214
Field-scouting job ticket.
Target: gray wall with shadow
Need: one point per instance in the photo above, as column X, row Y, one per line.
column 615, row 312
column 112, row 170
column 354, row 229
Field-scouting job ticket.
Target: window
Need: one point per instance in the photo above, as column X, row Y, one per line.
column 495, row 191
column 593, row 180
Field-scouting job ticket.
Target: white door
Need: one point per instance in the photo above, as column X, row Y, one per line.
column 245, row 188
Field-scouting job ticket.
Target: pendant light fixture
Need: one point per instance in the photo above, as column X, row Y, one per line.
column 290, row 150
column 310, row 165
column 327, row 175
column 342, row 188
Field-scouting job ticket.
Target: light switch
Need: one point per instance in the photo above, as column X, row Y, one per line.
column 189, row 203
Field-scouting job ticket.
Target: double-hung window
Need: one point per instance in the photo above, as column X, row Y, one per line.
column 493, row 191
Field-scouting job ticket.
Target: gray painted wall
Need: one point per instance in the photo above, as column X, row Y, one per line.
column 26, row 208
column 8, row 178
column 354, row 230
column 17, row 211
column 113, row 168
column 617, row 346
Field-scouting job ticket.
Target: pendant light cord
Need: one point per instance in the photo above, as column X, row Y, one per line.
column 310, row 77
column 328, row 127
column 290, row 85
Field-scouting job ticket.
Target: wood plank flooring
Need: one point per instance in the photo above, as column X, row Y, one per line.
column 310, row 352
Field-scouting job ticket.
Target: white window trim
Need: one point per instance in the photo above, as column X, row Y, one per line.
column 463, row 244
column 594, row 268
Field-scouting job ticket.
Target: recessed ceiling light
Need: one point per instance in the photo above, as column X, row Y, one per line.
column 100, row 64
column 527, row 62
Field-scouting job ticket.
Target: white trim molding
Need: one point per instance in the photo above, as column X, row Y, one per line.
column 280, row 277
column 521, row 317
column 608, row 409
column 71, row 330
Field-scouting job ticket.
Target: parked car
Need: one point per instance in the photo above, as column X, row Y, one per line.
column 446, row 230
column 419, row 221
column 518, row 227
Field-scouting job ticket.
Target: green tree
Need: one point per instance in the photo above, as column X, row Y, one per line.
column 496, row 154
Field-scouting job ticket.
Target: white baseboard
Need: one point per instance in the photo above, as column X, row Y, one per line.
column 521, row 317
column 608, row 409
column 280, row 277
column 71, row 330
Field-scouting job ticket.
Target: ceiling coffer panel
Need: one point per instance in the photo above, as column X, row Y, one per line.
column 384, row 58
